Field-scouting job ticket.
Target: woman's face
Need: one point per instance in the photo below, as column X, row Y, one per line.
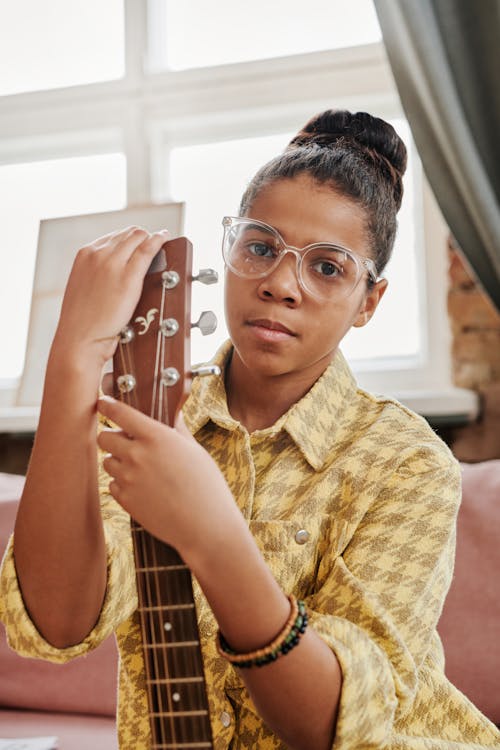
column 303, row 212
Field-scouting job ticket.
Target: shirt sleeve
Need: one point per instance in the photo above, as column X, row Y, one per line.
column 119, row 602
column 378, row 601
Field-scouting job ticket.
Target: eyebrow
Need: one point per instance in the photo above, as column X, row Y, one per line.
column 262, row 226
column 317, row 242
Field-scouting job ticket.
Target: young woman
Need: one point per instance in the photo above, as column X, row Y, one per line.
column 297, row 484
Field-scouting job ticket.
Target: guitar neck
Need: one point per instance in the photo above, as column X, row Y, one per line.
column 151, row 372
column 179, row 716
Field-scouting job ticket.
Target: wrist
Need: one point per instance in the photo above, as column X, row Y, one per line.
column 247, row 601
column 72, row 371
column 76, row 358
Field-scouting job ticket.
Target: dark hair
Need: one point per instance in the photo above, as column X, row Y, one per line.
column 361, row 156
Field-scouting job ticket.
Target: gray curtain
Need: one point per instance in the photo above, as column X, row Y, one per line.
column 445, row 57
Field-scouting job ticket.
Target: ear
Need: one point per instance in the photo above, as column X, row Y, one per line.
column 370, row 303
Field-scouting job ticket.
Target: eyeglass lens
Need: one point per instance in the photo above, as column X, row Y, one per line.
column 253, row 250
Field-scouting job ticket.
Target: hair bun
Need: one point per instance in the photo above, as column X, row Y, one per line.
column 368, row 132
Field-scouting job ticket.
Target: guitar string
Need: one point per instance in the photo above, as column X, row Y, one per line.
column 190, row 664
column 156, row 365
column 176, row 655
column 185, row 659
column 154, row 672
column 128, row 366
column 152, row 658
column 164, row 389
column 160, row 364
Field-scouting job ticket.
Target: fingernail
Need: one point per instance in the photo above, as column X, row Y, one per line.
column 106, row 397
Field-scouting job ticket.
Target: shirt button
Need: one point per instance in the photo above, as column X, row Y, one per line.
column 225, row 719
column 302, row 536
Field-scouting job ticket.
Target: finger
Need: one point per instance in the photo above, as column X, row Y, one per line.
column 112, row 466
column 140, row 259
column 124, row 246
column 115, row 236
column 114, row 442
column 114, row 490
column 180, row 426
column 130, row 420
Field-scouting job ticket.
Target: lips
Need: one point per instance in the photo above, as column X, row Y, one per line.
column 271, row 325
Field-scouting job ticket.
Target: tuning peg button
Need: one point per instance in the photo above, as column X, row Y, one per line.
column 170, row 376
column 170, row 279
column 204, row 370
column 126, row 335
column 207, row 322
column 207, row 276
column 169, row 326
column 126, row 383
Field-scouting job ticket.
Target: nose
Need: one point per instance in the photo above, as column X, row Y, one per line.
column 282, row 283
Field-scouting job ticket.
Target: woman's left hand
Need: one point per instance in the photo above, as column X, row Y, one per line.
column 166, row 481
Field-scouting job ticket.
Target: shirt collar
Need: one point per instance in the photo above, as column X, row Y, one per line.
column 208, row 397
column 313, row 423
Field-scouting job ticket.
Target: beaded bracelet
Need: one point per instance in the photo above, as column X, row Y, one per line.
column 286, row 639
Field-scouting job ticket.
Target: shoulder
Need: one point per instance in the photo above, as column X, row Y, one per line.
column 401, row 428
column 400, row 451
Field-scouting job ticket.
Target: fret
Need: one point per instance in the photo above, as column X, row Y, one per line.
column 178, row 714
column 155, row 568
column 161, row 607
column 164, row 588
column 172, row 644
column 175, row 680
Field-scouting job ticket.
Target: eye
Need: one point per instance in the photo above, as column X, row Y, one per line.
column 261, row 249
column 327, row 269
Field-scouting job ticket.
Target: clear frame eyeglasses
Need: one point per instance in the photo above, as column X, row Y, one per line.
column 253, row 249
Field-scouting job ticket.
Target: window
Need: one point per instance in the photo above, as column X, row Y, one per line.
column 164, row 114
column 195, row 34
column 44, row 45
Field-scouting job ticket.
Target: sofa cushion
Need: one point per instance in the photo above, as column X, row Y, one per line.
column 73, row 732
column 85, row 685
column 470, row 622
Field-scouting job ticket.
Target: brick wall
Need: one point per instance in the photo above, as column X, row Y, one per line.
column 475, row 326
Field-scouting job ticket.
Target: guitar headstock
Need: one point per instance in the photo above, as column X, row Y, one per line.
column 152, row 363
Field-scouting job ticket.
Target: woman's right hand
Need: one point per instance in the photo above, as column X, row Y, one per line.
column 102, row 292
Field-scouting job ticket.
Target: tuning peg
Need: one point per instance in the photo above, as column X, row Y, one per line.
column 207, row 322
column 169, row 327
column 126, row 335
column 126, row 383
column 207, row 276
column 204, row 370
column 170, row 279
column 170, row 376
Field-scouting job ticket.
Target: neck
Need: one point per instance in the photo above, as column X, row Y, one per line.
column 257, row 401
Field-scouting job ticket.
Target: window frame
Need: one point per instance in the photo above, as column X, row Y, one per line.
column 146, row 114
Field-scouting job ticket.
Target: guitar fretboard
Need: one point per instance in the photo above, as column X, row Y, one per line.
column 175, row 681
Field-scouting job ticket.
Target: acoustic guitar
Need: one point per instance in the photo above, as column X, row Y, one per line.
column 152, row 372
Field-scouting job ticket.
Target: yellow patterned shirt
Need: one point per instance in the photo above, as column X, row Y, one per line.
column 377, row 494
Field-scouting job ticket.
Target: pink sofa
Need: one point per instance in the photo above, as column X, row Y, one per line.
column 76, row 702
